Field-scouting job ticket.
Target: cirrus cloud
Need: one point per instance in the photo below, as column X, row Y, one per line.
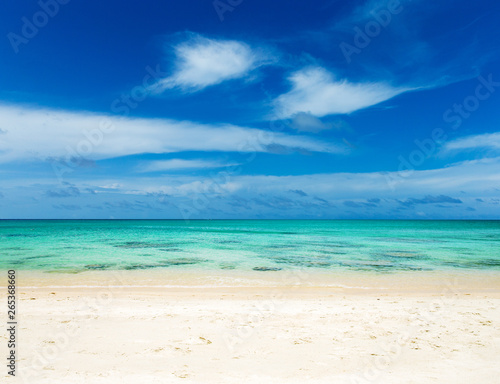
column 486, row 140
column 181, row 164
column 316, row 91
column 47, row 134
column 201, row 62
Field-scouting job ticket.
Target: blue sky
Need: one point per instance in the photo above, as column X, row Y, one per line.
column 250, row 109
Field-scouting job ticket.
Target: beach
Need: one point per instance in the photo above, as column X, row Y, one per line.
column 106, row 328
column 252, row 301
column 250, row 192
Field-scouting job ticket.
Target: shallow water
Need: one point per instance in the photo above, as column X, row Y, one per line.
column 249, row 245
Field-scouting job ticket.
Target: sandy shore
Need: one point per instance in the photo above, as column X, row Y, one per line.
column 115, row 333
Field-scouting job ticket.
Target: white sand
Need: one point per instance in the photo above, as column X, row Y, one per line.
column 257, row 335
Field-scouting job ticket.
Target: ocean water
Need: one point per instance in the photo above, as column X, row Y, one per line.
column 75, row 246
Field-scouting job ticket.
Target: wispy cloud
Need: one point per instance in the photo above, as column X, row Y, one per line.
column 48, row 134
column 201, row 62
column 313, row 195
column 316, row 91
column 426, row 186
column 180, row 164
column 486, row 140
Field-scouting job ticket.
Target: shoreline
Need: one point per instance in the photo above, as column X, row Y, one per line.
column 292, row 280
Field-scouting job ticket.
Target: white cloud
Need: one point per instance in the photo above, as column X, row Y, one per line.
column 45, row 133
column 487, row 140
column 316, row 91
column 196, row 188
column 226, row 195
column 111, row 186
column 180, row 164
column 201, row 62
column 476, row 178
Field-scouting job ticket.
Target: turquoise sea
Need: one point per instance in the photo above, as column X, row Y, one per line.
column 249, row 245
